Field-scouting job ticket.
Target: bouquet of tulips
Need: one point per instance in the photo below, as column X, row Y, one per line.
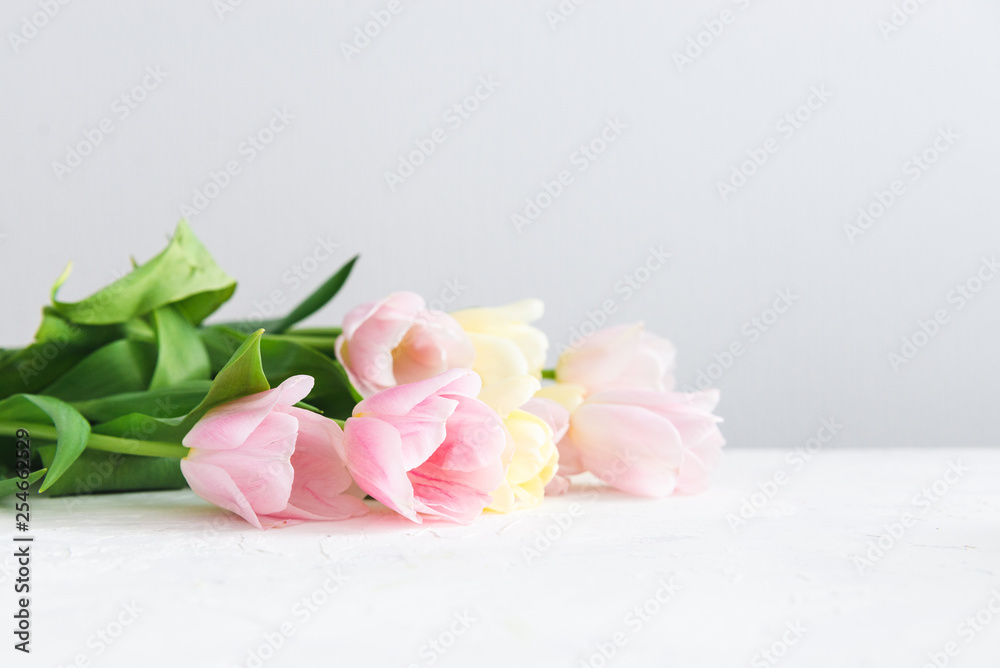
column 436, row 415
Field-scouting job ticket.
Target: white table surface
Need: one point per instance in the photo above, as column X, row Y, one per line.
column 198, row 587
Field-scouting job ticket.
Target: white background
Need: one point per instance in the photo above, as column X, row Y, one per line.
column 655, row 186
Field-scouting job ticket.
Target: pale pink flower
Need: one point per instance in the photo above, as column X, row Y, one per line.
column 268, row 461
column 399, row 340
column 645, row 443
column 623, row 357
column 428, row 449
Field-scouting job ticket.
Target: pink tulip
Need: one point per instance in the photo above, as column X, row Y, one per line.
column 646, row 443
column 428, row 449
column 268, row 462
column 624, row 357
column 398, row 340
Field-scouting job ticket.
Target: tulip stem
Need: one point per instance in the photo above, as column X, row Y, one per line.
column 127, row 446
column 549, row 373
column 318, row 342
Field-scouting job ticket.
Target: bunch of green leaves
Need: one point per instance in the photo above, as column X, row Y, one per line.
column 134, row 365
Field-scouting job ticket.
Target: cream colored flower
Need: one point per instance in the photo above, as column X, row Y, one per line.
column 506, row 345
column 533, row 459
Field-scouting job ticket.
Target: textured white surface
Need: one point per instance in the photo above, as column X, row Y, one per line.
column 210, row 590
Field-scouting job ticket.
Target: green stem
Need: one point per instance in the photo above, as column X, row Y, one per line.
column 549, row 373
column 127, row 446
column 321, row 342
column 333, row 332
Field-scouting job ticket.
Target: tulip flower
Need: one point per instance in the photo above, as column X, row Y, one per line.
column 533, row 460
column 428, row 449
column 268, row 461
column 624, row 357
column 505, row 344
column 646, row 443
column 398, row 340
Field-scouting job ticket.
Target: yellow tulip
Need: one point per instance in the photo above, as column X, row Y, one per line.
column 506, row 345
column 533, row 460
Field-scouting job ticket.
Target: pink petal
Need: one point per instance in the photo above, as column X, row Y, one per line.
column 227, row 426
column 374, row 457
column 446, row 497
column 628, row 447
column 422, row 430
column 402, row 399
column 558, row 486
column 213, row 484
column 261, row 466
column 370, row 333
column 434, row 344
column 554, row 413
column 476, row 438
column 322, row 482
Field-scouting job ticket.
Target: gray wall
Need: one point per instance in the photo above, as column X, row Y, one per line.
column 886, row 96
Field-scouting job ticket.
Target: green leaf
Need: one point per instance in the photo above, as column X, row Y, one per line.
column 282, row 358
column 98, row 471
column 59, row 345
column 167, row 402
column 331, row 392
column 181, row 355
column 316, row 300
column 122, row 366
column 241, row 376
column 143, row 427
column 183, row 274
column 71, row 427
column 9, row 486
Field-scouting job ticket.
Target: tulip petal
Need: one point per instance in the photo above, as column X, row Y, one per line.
column 476, row 438
column 261, row 466
column 213, row 484
column 370, row 333
column 628, row 447
column 227, row 426
column 374, row 458
column 434, row 344
column 402, row 399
